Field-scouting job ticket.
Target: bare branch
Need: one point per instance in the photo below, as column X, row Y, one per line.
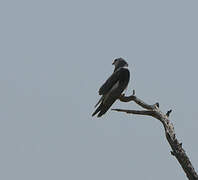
column 154, row 111
column 138, row 101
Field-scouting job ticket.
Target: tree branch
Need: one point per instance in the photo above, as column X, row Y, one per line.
column 154, row 111
column 138, row 101
column 148, row 113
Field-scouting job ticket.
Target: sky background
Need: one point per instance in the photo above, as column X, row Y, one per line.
column 54, row 56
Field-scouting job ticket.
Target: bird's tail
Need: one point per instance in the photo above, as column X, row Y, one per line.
column 97, row 110
column 100, row 100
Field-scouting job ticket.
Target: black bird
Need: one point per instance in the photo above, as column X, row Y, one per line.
column 113, row 87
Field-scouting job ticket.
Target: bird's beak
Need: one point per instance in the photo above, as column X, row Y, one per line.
column 113, row 63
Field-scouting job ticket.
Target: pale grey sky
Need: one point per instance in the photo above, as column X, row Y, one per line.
column 54, row 57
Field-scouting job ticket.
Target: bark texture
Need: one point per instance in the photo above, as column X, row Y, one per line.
column 154, row 111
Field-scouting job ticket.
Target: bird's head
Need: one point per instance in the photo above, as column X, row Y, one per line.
column 119, row 62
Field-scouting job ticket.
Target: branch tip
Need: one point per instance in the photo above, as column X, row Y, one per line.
column 172, row 153
column 180, row 144
column 133, row 92
column 157, row 104
column 168, row 113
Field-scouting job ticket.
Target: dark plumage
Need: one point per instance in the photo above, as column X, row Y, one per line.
column 113, row 87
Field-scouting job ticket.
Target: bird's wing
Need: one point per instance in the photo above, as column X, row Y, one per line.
column 114, row 93
column 105, row 88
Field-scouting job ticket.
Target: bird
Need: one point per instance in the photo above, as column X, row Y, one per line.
column 113, row 87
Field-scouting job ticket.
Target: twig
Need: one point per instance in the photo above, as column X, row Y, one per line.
column 168, row 112
column 148, row 113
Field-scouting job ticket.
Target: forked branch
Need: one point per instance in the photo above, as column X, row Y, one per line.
column 154, row 111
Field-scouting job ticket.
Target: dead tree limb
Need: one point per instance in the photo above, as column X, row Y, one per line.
column 154, row 111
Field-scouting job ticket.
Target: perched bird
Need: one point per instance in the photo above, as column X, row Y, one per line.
column 113, row 87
